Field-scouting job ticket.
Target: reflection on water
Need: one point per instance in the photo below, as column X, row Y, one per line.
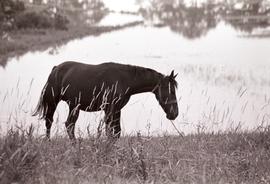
column 115, row 19
column 195, row 20
column 191, row 22
column 121, row 5
column 191, row 19
column 80, row 11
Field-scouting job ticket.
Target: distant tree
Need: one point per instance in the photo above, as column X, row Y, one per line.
column 38, row 2
column 8, row 10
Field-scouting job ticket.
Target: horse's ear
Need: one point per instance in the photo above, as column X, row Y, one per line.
column 172, row 75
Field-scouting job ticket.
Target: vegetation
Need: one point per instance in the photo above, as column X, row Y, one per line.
column 232, row 157
column 31, row 27
column 41, row 20
column 8, row 11
column 22, row 28
column 14, row 15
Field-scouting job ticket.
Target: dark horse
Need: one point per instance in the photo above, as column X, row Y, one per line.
column 106, row 87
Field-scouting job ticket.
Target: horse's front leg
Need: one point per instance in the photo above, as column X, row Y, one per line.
column 113, row 128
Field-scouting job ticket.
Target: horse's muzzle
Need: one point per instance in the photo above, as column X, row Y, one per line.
column 172, row 116
column 172, row 113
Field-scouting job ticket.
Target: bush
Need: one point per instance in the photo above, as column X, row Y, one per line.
column 32, row 20
column 8, row 9
column 40, row 20
column 60, row 22
column 14, row 16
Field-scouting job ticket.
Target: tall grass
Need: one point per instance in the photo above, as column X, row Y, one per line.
column 232, row 157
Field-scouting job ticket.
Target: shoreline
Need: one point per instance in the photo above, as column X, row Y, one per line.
column 17, row 43
column 234, row 157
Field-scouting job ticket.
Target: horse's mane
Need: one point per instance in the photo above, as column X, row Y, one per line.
column 138, row 70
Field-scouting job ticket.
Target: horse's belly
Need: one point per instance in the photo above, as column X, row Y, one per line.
column 90, row 107
column 92, row 99
column 84, row 102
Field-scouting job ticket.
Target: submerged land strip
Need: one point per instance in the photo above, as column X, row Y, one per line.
column 16, row 43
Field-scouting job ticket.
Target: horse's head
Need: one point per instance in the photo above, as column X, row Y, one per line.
column 165, row 94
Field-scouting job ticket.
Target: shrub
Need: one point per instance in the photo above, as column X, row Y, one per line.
column 14, row 16
column 8, row 9
column 60, row 22
column 40, row 20
column 32, row 20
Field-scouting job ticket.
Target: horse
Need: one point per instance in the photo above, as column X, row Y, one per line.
column 103, row 87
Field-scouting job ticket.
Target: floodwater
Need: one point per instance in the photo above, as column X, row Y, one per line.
column 224, row 80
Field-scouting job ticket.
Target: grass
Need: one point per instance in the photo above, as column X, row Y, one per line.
column 229, row 157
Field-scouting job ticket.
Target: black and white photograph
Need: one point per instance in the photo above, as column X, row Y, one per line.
column 134, row 91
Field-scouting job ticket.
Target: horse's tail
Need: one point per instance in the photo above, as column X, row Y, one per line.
column 41, row 107
column 49, row 95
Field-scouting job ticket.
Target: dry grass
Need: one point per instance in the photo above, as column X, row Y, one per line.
column 232, row 157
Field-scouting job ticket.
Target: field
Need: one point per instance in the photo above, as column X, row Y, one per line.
column 232, row 157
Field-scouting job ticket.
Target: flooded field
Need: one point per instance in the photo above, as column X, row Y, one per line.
column 223, row 69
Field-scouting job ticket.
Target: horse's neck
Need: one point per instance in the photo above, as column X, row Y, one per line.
column 145, row 82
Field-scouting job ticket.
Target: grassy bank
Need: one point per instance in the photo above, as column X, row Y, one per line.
column 233, row 157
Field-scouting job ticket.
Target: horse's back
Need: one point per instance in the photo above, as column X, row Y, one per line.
column 81, row 67
column 80, row 75
column 72, row 67
column 79, row 72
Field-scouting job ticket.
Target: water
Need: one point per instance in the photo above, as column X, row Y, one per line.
column 115, row 19
column 122, row 5
column 223, row 79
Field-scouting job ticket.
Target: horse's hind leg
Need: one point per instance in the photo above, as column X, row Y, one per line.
column 71, row 120
column 49, row 119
